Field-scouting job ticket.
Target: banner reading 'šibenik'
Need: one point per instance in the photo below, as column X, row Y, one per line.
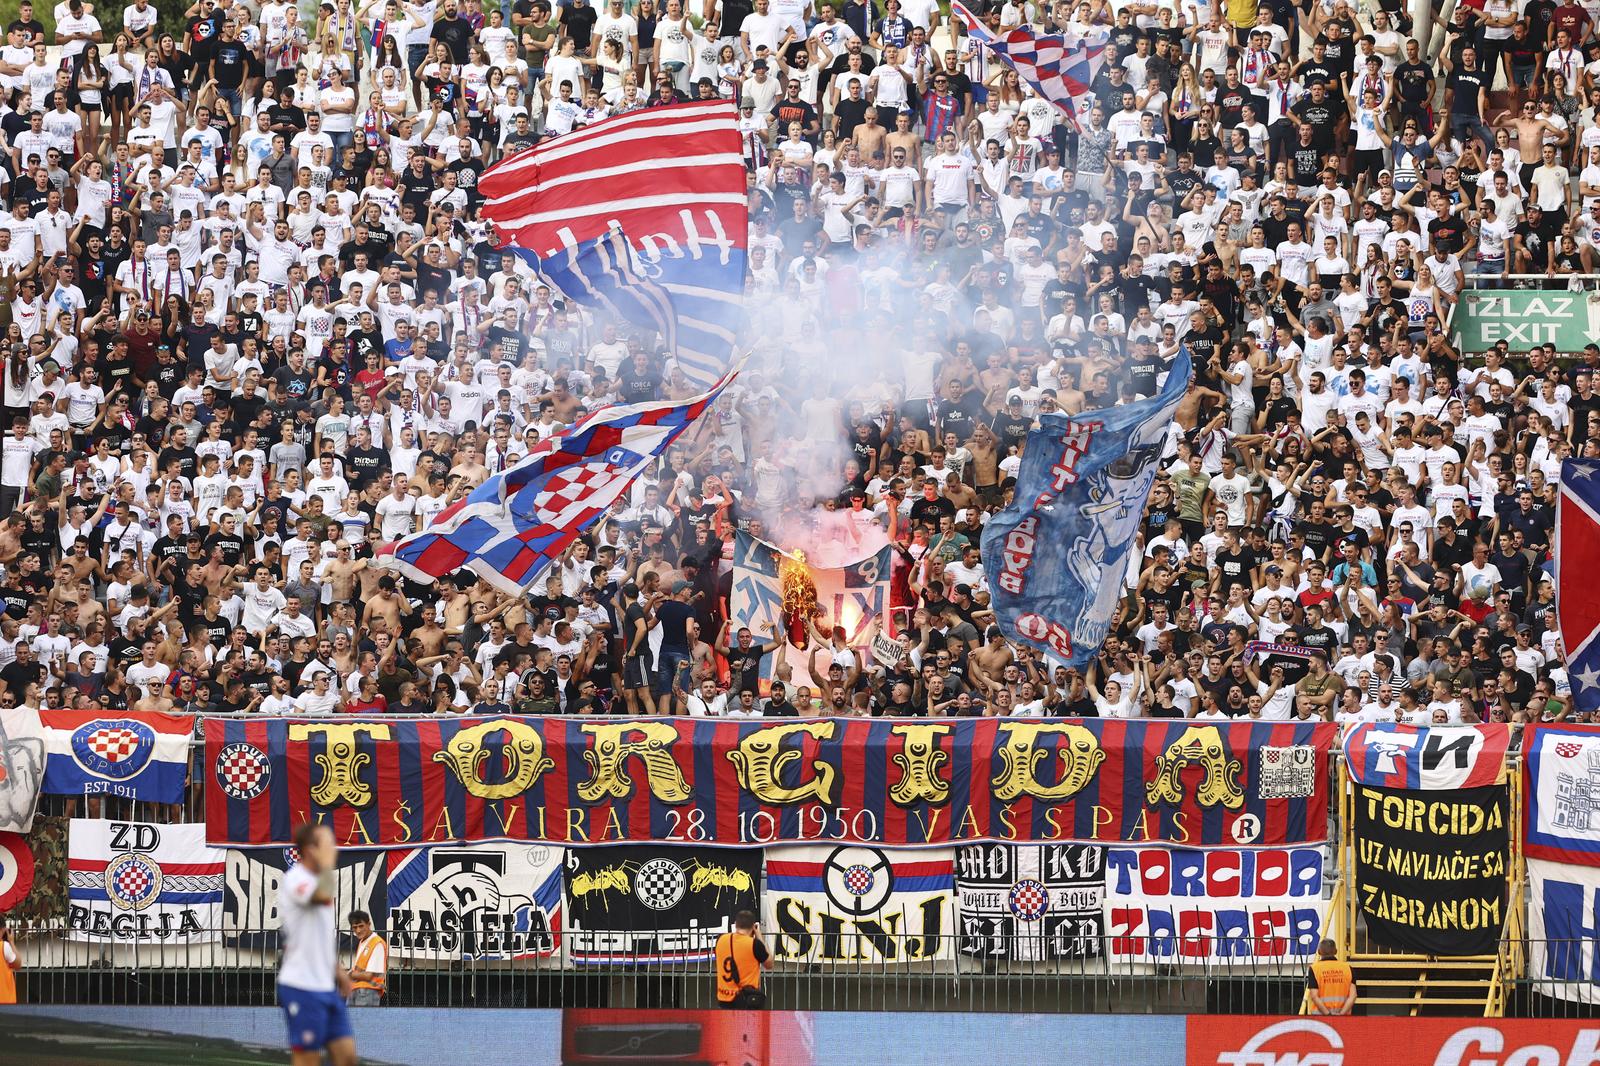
column 577, row 781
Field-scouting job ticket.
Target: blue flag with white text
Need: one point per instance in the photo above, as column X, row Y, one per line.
column 1056, row 555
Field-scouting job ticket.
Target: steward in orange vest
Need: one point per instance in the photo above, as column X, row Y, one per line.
column 10, row 962
column 740, row 956
column 1331, row 982
column 370, row 971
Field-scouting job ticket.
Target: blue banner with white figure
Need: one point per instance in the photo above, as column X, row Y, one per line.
column 1055, row 555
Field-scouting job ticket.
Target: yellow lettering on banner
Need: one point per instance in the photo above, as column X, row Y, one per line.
column 1180, row 826
column 1444, row 915
column 467, row 756
column 614, row 744
column 760, row 758
column 929, row 830
column 358, row 826
column 1007, row 826
column 539, row 834
column 1140, row 830
column 449, row 826
column 969, row 821
column 505, row 819
column 1412, row 814
column 1053, row 826
column 1198, row 746
column 919, row 760
column 613, row 822
column 1080, row 755
column 1102, row 818
column 401, row 811
column 340, row 763
column 575, row 825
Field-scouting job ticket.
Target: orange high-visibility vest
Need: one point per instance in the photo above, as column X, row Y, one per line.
column 364, row 956
column 8, row 979
column 737, row 966
column 1334, row 982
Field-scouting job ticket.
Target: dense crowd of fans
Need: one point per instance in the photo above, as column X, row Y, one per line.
column 255, row 328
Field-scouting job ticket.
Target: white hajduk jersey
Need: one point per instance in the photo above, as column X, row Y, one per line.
column 309, row 934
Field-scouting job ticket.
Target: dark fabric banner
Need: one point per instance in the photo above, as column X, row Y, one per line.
column 1431, row 867
column 1031, row 903
column 582, row 781
column 630, row 905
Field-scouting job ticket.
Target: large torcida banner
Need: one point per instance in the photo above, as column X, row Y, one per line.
column 576, row 781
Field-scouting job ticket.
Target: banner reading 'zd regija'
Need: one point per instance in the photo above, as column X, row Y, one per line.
column 693, row 781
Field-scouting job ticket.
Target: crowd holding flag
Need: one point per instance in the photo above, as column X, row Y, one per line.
column 509, row 529
column 672, row 179
column 643, row 216
column 1059, row 71
column 1056, row 556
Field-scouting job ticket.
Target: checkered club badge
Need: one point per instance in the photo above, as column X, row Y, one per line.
column 660, row 884
column 858, row 880
column 133, row 881
column 243, row 771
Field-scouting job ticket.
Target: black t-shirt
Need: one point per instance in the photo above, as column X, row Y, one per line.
column 231, row 62
column 930, row 511
column 1412, row 79
column 1321, row 118
column 638, row 386
column 363, row 466
column 294, row 385
column 578, row 23
column 457, row 34
column 1466, row 85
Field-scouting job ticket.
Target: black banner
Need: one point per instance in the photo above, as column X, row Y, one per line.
column 252, row 877
column 1029, row 903
column 644, row 904
column 1431, row 867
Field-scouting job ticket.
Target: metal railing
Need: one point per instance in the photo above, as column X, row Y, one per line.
column 962, row 974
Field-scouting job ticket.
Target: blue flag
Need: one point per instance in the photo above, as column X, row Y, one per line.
column 1056, row 555
column 695, row 302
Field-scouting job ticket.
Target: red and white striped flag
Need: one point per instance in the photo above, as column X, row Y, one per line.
column 672, row 178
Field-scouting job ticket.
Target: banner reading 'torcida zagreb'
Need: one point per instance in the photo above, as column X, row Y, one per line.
column 577, row 781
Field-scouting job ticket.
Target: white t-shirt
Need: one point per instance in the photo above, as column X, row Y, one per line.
column 309, row 929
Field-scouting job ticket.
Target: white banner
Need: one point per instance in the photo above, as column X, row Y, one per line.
column 852, row 905
column 1031, row 902
column 479, row 901
column 150, row 884
column 1563, row 901
column 22, row 757
column 1184, row 905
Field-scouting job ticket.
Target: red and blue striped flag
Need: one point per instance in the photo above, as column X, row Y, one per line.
column 1059, row 72
column 513, row 526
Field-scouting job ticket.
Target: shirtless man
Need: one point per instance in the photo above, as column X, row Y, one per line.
column 990, row 661
column 1531, row 130
column 470, row 471
column 902, row 136
column 387, row 606
column 869, row 138
column 1188, row 412
column 341, row 573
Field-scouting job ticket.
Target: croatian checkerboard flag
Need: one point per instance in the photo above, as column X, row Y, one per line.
column 1057, row 72
column 673, row 179
column 1577, row 559
column 511, row 527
